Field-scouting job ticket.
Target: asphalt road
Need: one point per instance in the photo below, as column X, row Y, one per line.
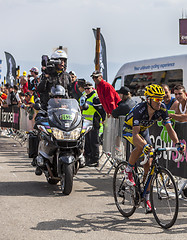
column 30, row 208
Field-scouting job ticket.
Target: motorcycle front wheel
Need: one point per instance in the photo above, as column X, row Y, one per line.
column 67, row 181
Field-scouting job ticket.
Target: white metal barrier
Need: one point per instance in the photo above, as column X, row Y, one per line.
column 26, row 124
column 114, row 146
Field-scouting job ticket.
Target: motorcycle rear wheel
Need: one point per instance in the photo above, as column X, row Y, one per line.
column 67, row 181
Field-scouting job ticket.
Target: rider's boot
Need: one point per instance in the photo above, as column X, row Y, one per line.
column 38, row 171
column 129, row 178
column 148, row 208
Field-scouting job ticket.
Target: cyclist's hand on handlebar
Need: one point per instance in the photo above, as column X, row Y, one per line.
column 181, row 147
column 147, row 148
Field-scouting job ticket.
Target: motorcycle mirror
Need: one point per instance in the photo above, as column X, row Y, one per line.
column 85, row 106
column 37, row 106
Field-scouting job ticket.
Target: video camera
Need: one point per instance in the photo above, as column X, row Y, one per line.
column 49, row 66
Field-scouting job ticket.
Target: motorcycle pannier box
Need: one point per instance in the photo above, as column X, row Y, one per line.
column 33, row 145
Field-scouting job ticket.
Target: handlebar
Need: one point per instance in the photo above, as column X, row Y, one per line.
column 146, row 157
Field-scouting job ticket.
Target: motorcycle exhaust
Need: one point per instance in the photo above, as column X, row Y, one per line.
column 50, row 173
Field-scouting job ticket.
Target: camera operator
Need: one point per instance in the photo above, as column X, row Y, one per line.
column 54, row 73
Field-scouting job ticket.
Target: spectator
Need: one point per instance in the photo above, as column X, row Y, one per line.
column 3, row 96
column 23, row 84
column 11, row 98
column 81, row 85
column 74, row 89
column 181, row 113
column 36, row 80
column 170, row 102
column 126, row 103
column 28, row 96
column 17, row 95
column 22, row 96
column 28, row 105
column 24, row 73
column 4, row 101
column 94, row 113
column 108, row 97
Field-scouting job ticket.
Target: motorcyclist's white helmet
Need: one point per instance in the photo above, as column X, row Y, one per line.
column 59, row 53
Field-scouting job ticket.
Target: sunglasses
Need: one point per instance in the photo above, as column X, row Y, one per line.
column 157, row 99
column 86, row 88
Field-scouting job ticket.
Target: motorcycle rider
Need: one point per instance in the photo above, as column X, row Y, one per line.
column 57, row 92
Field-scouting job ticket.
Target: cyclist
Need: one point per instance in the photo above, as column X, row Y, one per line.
column 136, row 131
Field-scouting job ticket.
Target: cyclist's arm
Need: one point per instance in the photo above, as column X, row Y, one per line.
column 138, row 141
column 172, row 134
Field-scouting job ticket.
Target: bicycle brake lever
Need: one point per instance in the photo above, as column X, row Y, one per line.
column 179, row 158
column 146, row 158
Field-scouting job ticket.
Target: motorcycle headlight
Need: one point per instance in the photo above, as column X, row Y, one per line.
column 62, row 135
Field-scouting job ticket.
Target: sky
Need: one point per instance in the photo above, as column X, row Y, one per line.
column 133, row 30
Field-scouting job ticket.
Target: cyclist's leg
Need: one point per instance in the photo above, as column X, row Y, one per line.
column 135, row 154
column 148, row 208
column 145, row 135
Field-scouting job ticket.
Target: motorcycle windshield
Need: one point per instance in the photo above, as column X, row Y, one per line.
column 64, row 114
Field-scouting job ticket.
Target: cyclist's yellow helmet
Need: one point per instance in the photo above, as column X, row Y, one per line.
column 154, row 90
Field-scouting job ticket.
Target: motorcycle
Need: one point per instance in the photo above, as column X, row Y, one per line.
column 61, row 141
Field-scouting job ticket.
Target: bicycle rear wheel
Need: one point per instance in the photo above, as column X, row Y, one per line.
column 164, row 198
column 123, row 194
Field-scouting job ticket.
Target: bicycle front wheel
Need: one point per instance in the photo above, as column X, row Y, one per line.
column 123, row 194
column 164, row 198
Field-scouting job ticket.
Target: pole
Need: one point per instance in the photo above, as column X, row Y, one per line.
column 17, row 75
column 97, row 54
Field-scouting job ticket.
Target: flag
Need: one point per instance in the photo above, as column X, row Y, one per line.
column 102, row 55
column 183, row 31
column 11, row 68
column 0, row 68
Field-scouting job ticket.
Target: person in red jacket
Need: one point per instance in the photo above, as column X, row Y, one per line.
column 108, row 96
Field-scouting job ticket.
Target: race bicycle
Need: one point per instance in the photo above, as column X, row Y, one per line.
column 163, row 190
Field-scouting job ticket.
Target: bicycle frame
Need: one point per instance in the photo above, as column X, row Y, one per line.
column 153, row 168
column 148, row 177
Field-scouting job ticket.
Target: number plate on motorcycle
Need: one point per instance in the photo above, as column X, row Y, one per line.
column 66, row 117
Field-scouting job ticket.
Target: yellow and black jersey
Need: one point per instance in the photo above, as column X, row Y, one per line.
column 138, row 116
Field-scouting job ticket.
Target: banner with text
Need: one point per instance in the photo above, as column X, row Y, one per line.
column 183, row 31
column 160, row 138
column 10, row 117
column 11, row 68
